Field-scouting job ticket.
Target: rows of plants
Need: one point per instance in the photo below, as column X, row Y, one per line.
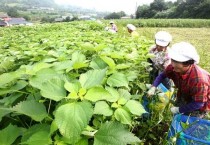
column 74, row 83
column 182, row 23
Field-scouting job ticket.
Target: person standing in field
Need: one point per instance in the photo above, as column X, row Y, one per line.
column 192, row 82
column 160, row 60
column 132, row 30
column 113, row 26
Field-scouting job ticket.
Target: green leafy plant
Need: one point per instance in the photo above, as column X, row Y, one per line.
column 72, row 90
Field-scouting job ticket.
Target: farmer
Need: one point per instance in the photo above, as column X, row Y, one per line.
column 160, row 60
column 113, row 26
column 132, row 30
column 193, row 83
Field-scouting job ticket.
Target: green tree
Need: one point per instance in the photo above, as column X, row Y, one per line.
column 113, row 16
column 142, row 11
column 121, row 13
column 204, row 10
column 158, row 5
column 26, row 17
column 13, row 12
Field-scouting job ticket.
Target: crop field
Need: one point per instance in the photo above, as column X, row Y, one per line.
column 76, row 83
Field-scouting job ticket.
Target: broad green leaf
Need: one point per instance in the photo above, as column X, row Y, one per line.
column 18, row 86
column 8, row 101
column 7, row 78
column 115, row 105
column 53, row 127
column 131, row 75
column 42, row 76
column 73, row 95
column 125, row 94
column 72, row 86
column 63, row 65
column 39, row 138
column 114, row 93
column 132, row 56
column 123, row 116
column 33, row 109
column 3, row 112
column 9, row 134
column 78, row 57
column 144, row 87
column 78, row 65
column 114, row 133
column 100, row 47
column 123, row 66
column 72, row 118
column 135, row 107
column 83, row 141
column 87, row 46
column 33, row 130
column 6, row 64
column 98, row 93
column 117, row 80
column 103, row 108
column 92, row 78
column 109, row 61
column 98, row 63
column 122, row 101
column 53, row 89
column 41, row 65
column 50, row 59
column 118, row 55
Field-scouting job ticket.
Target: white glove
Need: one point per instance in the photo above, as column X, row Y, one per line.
column 175, row 110
column 151, row 91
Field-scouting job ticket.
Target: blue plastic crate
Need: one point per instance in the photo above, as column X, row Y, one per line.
column 197, row 131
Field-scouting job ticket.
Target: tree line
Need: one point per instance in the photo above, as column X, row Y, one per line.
column 199, row 9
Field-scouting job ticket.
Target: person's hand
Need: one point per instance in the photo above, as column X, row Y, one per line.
column 175, row 110
column 151, row 91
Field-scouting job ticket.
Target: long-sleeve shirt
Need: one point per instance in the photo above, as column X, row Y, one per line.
column 134, row 34
column 193, row 87
column 161, row 59
column 114, row 27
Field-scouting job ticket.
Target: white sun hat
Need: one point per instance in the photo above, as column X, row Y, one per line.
column 183, row 51
column 163, row 38
column 131, row 27
column 111, row 22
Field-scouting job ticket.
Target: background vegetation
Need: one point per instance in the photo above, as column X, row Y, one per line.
column 179, row 9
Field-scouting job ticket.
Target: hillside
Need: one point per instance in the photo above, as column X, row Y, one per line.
column 27, row 3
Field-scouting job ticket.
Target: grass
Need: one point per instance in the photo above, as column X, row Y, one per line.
column 199, row 37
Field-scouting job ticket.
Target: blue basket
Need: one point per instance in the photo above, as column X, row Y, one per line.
column 197, row 131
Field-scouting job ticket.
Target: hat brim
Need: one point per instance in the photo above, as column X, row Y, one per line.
column 176, row 56
column 161, row 43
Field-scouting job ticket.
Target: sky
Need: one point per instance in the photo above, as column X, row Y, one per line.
column 128, row 6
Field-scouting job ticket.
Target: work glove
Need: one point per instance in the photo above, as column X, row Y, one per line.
column 151, row 91
column 175, row 110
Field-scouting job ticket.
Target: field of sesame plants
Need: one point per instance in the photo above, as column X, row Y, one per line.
column 75, row 83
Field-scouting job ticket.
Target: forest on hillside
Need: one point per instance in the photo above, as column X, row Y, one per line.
column 179, row 9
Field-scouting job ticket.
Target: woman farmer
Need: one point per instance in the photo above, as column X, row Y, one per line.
column 160, row 60
column 113, row 26
column 132, row 30
column 193, row 83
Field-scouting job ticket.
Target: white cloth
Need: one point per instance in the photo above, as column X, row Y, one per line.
column 151, row 91
column 175, row 110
